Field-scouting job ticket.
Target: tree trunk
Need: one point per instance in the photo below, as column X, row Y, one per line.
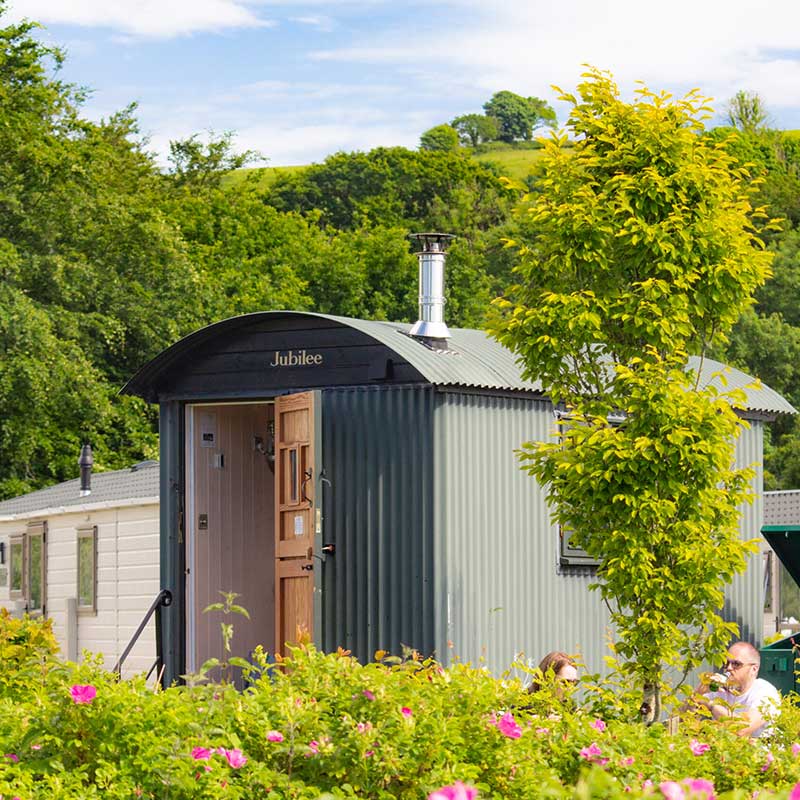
column 650, row 710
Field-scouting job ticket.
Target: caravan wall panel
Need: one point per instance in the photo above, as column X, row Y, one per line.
column 127, row 581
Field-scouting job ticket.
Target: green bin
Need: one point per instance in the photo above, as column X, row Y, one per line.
column 778, row 664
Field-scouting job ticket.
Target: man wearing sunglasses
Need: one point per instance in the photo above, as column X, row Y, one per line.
column 743, row 694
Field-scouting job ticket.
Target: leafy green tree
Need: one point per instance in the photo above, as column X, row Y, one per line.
column 198, row 165
column 441, row 137
column 472, row 129
column 643, row 249
column 517, row 117
column 93, row 277
column 389, row 186
column 746, row 111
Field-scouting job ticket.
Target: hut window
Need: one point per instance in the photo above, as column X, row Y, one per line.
column 16, row 567
column 87, row 569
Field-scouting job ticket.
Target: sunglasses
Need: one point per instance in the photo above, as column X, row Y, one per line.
column 734, row 664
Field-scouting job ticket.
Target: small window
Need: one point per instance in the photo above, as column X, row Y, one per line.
column 570, row 554
column 35, row 572
column 16, row 567
column 28, row 568
column 87, row 569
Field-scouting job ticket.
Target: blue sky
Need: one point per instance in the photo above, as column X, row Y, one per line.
column 298, row 80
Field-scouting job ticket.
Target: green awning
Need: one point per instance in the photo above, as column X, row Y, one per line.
column 785, row 541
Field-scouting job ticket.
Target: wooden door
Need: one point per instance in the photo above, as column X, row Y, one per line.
column 295, row 481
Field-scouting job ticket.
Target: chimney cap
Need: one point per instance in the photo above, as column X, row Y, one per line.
column 433, row 242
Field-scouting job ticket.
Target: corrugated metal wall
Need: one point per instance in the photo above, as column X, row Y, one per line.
column 500, row 589
column 377, row 454
column 745, row 598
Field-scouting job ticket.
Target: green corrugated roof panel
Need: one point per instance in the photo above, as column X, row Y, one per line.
column 474, row 359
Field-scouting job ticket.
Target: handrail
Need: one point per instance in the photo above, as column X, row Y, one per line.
column 163, row 598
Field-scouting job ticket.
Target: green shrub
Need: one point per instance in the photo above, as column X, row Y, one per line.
column 318, row 725
column 27, row 644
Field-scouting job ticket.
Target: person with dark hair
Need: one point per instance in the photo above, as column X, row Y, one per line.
column 559, row 668
column 741, row 693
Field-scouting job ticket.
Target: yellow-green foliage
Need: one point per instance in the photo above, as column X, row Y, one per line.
column 22, row 641
column 641, row 246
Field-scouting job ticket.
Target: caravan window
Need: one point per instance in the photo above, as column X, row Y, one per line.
column 28, row 567
column 15, row 565
column 87, row 569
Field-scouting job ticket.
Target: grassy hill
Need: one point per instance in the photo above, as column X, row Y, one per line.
column 512, row 161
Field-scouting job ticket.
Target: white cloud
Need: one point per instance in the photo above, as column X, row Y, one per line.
column 321, row 23
column 717, row 45
column 143, row 18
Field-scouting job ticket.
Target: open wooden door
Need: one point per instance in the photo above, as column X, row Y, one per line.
column 295, row 518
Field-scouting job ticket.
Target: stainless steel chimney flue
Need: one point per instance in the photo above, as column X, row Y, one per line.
column 431, row 326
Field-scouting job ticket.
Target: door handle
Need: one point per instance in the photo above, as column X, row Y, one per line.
column 307, row 567
column 306, row 478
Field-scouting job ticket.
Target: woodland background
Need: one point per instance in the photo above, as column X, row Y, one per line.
column 106, row 257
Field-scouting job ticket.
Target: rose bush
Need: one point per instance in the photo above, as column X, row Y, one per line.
column 320, row 725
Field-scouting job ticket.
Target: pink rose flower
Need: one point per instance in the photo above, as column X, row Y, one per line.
column 368, row 694
column 508, row 727
column 83, row 694
column 795, row 793
column 12, row 757
column 313, row 746
column 363, row 727
column 406, row 712
column 274, row 736
column 795, row 749
column 234, row 757
column 542, row 731
column 699, row 788
column 672, row 790
column 598, row 725
column 768, row 762
column 201, row 753
column 591, row 752
column 698, row 748
column 627, row 762
column 369, row 754
column 458, row 791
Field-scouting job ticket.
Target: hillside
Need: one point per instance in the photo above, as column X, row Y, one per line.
column 513, row 162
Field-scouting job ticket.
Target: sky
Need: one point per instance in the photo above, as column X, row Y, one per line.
column 298, row 80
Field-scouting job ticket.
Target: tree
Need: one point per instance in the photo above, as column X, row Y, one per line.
column 197, row 164
column 746, row 111
column 93, row 278
column 442, row 137
column 517, row 117
column 472, row 129
column 643, row 250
